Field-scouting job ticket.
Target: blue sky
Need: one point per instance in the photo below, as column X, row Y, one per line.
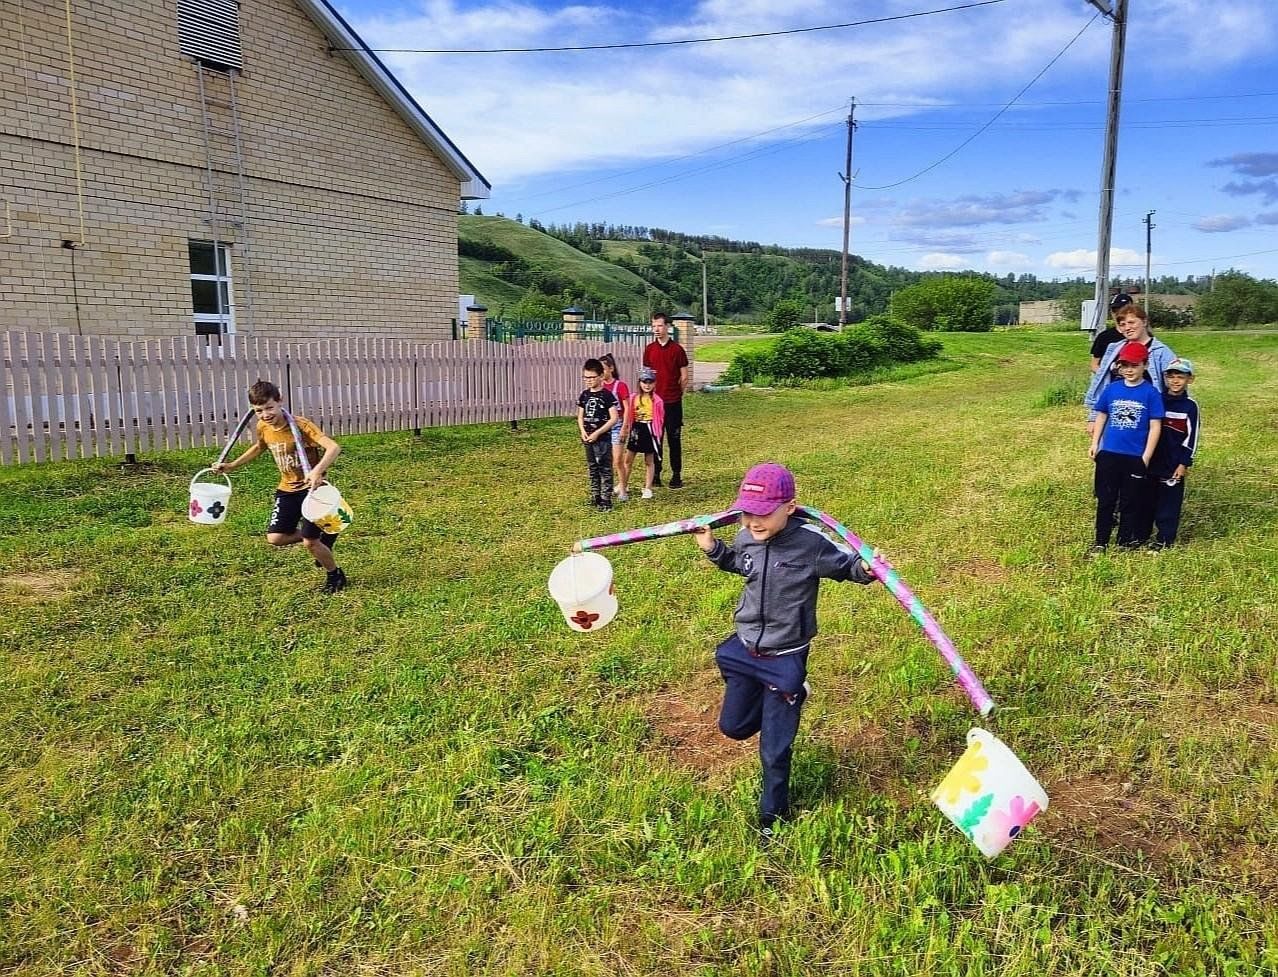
column 630, row 136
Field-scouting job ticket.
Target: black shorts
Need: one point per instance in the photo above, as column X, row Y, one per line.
column 286, row 518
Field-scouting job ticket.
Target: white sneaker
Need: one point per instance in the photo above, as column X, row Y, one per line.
column 616, row 490
column 647, row 493
column 623, row 496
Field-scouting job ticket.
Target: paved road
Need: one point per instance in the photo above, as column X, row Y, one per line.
column 703, row 373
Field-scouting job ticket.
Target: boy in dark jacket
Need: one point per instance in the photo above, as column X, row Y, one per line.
column 764, row 662
column 1174, row 453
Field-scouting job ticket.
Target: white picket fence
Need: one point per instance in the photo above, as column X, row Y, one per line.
column 88, row 396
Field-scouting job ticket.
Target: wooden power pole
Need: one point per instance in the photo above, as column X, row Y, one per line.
column 846, row 176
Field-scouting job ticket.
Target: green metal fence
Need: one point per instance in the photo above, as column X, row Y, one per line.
column 502, row 331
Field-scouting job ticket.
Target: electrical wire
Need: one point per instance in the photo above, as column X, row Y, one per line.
column 686, row 156
column 686, row 40
column 1081, row 101
column 997, row 115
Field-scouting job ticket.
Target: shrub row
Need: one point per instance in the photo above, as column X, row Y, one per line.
column 802, row 354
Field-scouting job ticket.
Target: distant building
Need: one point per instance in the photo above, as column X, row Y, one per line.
column 1046, row 309
column 210, row 166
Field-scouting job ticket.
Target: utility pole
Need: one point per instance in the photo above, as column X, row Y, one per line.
column 846, row 177
column 705, row 296
column 1149, row 240
column 1118, row 15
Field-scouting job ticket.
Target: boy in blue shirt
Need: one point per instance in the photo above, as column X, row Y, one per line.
column 1175, row 451
column 1129, row 419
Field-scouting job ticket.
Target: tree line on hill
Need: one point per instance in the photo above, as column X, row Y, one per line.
column 749, row 281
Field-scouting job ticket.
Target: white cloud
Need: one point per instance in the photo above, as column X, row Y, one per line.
column 939, row 261
column 838, row 221
column 1221, row 223
column 1081, row 258
column 1008, row 260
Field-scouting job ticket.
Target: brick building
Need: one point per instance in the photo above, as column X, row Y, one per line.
column 206, row 166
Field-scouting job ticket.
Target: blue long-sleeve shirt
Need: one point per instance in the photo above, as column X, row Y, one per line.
column 1179, row 438
column 1160, row 356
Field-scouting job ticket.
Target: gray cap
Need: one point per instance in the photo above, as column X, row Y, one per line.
column 647, row 373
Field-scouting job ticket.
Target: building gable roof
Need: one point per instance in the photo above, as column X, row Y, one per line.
column 342, row 36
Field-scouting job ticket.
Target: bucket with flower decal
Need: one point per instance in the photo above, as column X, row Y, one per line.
column 325, row 507
column 209, row 501
column 582, row 587
column 989, row 795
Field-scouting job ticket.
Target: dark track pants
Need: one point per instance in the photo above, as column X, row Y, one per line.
column 672, row 433
column 1122, row 484
column 763, row 694
column 599, row 469
column 1168, row 501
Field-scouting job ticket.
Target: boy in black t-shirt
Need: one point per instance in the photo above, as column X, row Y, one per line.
column 597, row 412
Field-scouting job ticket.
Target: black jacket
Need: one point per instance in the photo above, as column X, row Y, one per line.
column 777, row 611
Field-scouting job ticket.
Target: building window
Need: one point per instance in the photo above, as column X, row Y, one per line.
column 209, row 31
column 211, row 288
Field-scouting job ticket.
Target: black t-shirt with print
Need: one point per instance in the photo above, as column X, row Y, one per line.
column 595, row 405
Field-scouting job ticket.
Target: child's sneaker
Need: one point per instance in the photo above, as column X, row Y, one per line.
column 604, row 505
column 647, row 493
column 335, row 581
column 1157, row 546
column 1098, row 549
column 623, row 496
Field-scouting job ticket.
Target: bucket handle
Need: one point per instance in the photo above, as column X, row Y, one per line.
column 197, row 475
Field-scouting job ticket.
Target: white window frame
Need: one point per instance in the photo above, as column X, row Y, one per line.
column 221, row 259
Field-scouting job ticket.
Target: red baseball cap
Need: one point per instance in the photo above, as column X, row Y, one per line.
column 764, row 489
column 1133, row 352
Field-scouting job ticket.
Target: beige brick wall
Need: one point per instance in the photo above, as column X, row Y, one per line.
column 352, row 222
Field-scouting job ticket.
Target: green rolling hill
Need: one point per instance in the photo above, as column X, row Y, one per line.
column 501, row 259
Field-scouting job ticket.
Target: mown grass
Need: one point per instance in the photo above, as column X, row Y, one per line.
column 208, row 768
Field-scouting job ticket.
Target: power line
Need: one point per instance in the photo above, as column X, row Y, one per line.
column 1215, row 121
column 679, row 159
column 730, row 161
column 1081, row 101
column 687, row 40
column 997, row 115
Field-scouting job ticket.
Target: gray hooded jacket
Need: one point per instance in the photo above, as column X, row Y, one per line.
column 777, row 611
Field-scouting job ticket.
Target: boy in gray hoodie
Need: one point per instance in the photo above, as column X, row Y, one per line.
column 764, row 662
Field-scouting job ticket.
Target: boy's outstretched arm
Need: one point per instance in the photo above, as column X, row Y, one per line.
column 721, row 555
column 834, row 563
column 253, row 450
column 331, row 450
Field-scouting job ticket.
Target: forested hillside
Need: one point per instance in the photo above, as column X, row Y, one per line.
column 625, row 271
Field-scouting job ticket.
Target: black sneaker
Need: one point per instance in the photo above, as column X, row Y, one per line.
column 676, row 482
column 1157, row 546
column 1097, row 549
column 335, row 581
column 603, row 505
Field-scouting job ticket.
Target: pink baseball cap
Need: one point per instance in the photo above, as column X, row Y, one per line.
column 765, row 488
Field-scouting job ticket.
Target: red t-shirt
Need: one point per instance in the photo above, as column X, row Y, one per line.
column 667, row 361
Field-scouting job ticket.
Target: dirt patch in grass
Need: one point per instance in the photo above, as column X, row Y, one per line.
column 37, row 587
column 1112, row 817
column 686, row 721
column 980, row 568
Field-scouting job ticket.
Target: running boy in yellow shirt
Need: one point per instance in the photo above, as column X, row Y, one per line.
column 287, row 525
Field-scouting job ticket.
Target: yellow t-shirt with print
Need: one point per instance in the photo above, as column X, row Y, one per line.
column 643, row 408
column 279, row 442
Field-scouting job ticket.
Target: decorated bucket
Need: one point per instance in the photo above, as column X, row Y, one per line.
column 209, row 500
column 989, row 795
column 325, row 507
column 582, row 587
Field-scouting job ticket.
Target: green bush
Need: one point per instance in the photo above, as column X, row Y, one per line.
column 803, row 354
column 951, row 302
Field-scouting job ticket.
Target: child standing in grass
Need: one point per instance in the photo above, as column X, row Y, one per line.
column 597, row 413
column 620, row 432
column 1175, row 451
column 274, row 434
column 764, row 663
column 1128, row 422
column 647, row 416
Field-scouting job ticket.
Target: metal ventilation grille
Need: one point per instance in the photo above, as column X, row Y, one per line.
column 210, row 31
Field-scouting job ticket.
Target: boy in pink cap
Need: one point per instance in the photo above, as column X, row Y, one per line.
column 764, row 663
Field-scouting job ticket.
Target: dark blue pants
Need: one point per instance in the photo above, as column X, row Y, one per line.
column 763, row 695
column 1122, row 484
column 1168, row 500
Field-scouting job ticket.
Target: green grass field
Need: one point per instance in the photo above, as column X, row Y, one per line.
column 206, row 767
